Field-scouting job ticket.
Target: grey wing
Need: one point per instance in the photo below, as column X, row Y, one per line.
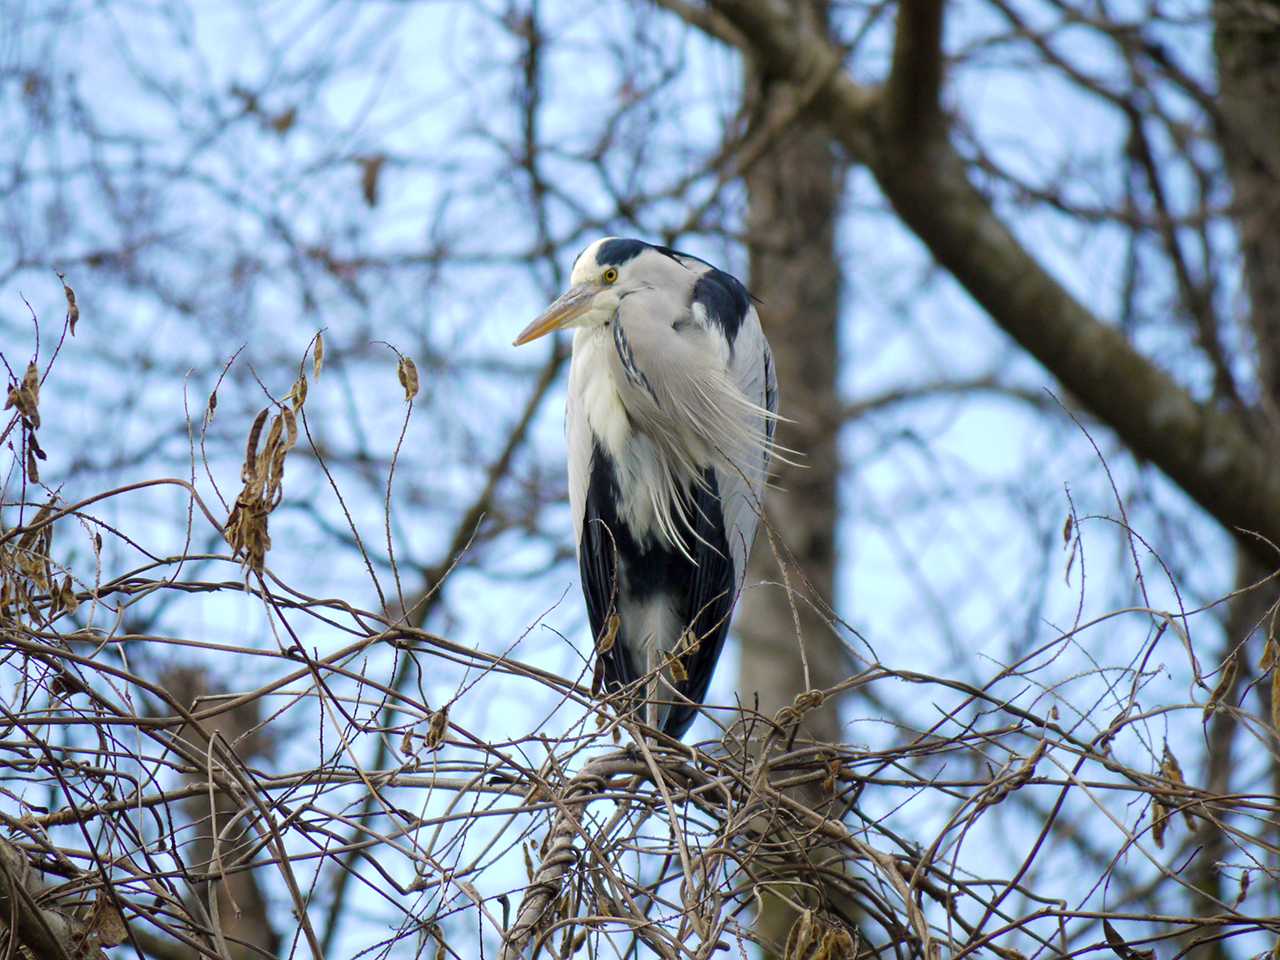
column 742, row 491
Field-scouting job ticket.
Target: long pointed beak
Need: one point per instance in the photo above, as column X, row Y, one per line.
column 572, row 304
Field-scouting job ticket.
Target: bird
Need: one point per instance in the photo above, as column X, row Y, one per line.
column 669, row 419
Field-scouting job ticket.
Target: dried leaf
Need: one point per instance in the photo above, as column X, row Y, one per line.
column 249, row 471
column 108, row 923
column 833, row 772
column 837, row 944
column 33, row 472
column 370, row 171
column 73, row 309
column 1171, row 770
column 610, row 635
column 283, row 122
column 298, row 395
column 317, row 356
column 1270, row 654
column 437, row 728
column 408, row 374
column 406, row 743
column 1122, row 949
column 1226, row 679
column 67, row 599
column 26, row 396
column 799, row 937
column 1159, row 821
column 1275, row 699
column 1066, row 528
column 1244, row 888
column 528, row 863
column 211, row 408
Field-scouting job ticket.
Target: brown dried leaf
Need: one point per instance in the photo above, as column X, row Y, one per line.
column 1270, row 654
column 833, row 772
column 317, row 355
column 283, row 122
column 249, row 473
column 1244, row 888
column 437, row 728
column 1159, row 821
column 298, row 394
column 1226, row 678
column 370, row 171
column 33, row 472
column 678, row 672
column 73, row 308
column 1066, row 528
column 1275, row 699
column 290, row 429
column 837, row 944
column 108, row 923
column 67, row 599
column 407, row 371
column 799, row 937
column 1122, row 949
column 1171, row 770
column 610, row 635
column 211, row 408
column 26, row 396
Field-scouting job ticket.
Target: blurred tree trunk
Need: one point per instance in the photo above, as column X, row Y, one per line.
column 1247, row 45
column 794, row 195
column 794, row 198
column 231, row 897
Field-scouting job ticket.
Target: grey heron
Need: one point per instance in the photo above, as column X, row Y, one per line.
column 669, row 420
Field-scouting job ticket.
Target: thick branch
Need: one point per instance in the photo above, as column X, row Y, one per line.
column 1208, row 452
column 916, row 76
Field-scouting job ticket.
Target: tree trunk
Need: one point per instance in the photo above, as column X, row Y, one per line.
column 1247, row 45
column 794, row 194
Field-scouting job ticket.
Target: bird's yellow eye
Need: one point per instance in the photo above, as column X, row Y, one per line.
column 610, row 275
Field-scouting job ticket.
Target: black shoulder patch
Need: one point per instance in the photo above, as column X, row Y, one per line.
column 725, row 299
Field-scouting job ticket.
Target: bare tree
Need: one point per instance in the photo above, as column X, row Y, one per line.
column 1041, row 739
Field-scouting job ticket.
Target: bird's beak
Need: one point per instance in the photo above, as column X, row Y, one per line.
column 572, row 304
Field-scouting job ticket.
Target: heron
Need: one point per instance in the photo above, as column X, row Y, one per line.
column 669, row 424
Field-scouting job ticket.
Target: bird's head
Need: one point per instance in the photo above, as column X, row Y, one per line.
column 602, row 275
